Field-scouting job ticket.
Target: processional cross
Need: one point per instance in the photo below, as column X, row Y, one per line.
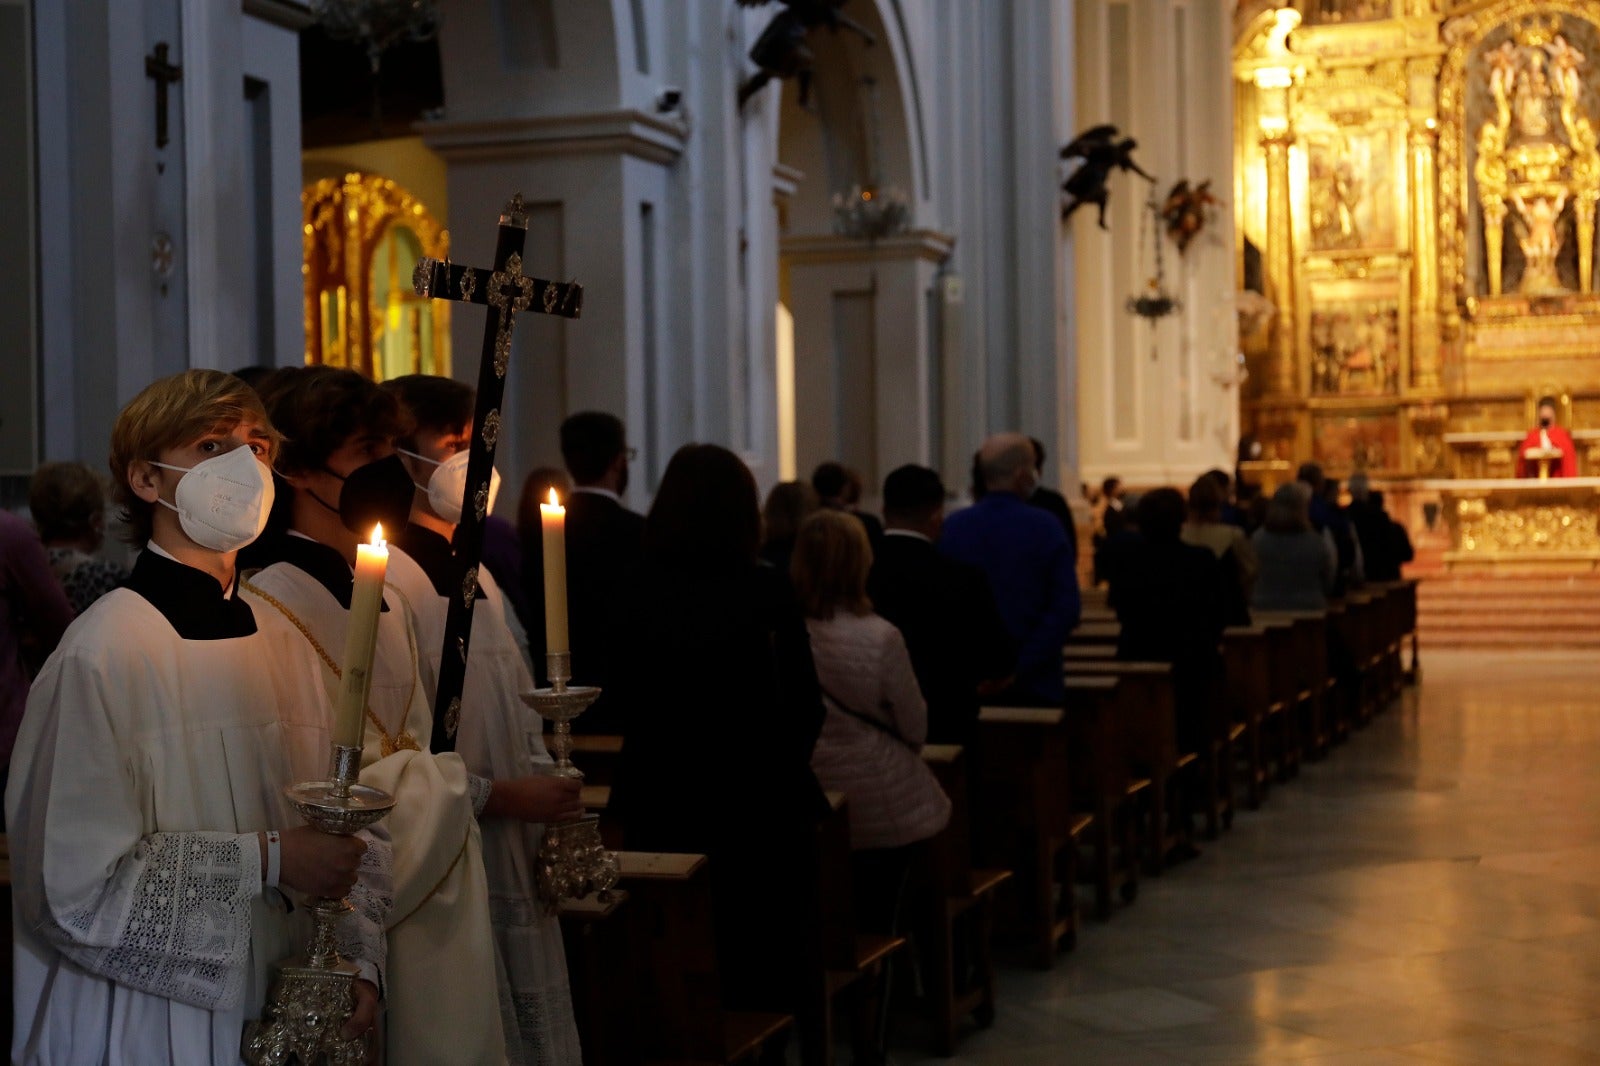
column 504, row 290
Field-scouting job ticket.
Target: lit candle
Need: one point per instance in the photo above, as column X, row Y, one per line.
column 553, row 522
column 361, row 640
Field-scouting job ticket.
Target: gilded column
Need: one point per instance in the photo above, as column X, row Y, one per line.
column 1282, row 380
column 1424, row 143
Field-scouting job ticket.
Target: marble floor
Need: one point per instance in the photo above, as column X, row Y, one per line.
column 1431, row 893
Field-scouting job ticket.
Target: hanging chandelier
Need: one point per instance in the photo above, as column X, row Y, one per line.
column 1155, row 302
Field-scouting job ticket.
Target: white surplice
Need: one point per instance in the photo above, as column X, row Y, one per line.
column 145, row 766
column 501, row 737
column 441, row 1003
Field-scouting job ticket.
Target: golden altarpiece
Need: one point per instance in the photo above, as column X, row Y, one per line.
column 1416, row 186
column 363, row 237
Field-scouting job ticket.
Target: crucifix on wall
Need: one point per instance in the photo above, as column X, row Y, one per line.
column 165, row 73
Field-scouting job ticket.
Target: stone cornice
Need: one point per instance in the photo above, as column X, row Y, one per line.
column 290, row 14
column 926, row 244
column 624, row 132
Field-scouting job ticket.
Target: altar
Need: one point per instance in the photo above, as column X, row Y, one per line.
column 1504, row 525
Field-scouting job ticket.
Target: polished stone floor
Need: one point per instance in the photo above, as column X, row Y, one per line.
column 1431, row 893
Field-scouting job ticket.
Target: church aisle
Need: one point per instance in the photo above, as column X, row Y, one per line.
column 1431, row 893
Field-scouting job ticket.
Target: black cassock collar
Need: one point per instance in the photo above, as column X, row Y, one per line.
column 316, row 559
column 434, row 554
column 192, row 601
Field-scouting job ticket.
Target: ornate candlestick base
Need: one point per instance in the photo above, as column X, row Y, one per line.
column 572, row 861
column 312, row 996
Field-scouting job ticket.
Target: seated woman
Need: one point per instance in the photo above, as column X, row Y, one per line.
column 1298, row 564
column 787, row 506
column 1206, row 528
column 876, row 718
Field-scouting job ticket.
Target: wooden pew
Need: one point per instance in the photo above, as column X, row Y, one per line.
column 1247, row 691
column 598, row 756
column 595, row 935
column 1285, row 695
column 1148, row 715
column 953, row 906
column 1103, row 784
column 1025, row 822
column 1100, row 632
column 1307, row 661
column 672, row 960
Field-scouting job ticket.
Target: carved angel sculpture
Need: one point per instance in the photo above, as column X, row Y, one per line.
column 1101, row 153
column 1185, row 211
column 781, row 50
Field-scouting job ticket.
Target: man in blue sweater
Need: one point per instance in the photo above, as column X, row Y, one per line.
column 1030, row 566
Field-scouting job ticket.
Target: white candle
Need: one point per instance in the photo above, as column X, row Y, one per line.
column 361, row 640
column 553, row 523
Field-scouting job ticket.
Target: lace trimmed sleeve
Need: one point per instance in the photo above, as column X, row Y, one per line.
column 360, row 936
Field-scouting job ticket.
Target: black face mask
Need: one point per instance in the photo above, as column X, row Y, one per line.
column 1545, row 421
column 379, row 492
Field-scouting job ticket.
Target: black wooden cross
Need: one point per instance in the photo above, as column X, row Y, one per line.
column 165, row 73
column 504, row 290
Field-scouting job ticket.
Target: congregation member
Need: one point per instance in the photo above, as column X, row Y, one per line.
column 1028, row 563
column 788, row 505
column 723, row 708
column 877, row 721
column 838, row 488
column 959, row 645
column 1050, row 501
column 34, row 613
column 1110, row 520
column 1328, row 519
column 500, row 738
column 1232, row 512
column 1206, row 528
column 1298, row 566
column 604, row 542
column 1170, row 599
column 150, row 840
column 338, row 478
column 1385, row 544
column 68, row 504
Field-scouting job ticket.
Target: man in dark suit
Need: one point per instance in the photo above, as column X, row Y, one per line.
column 959, row 645
column 1048, row 499
column 605, row 541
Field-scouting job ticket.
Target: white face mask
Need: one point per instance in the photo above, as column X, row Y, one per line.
column 224, row 501
column 448, row 485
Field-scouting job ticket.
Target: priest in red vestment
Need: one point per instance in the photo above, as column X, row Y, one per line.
column 1547, row 435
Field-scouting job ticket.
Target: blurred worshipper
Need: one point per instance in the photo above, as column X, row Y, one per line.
column 1329, row 519
column 1544, row 439
column 1385, row 544
column 34, row 612
column 501, row 738
column 1051, row 501
column 1298, row 566
column 876, row 722
column 723, row 768
column 338, row 477
column 150, row 839
column 1231, row 512
column 1108, row 519
column 1170, row 599
column 605, row 541
column 1205, row 528
column 68, row 504
column 959, row 645
column 1028, row 562
column 839, row 489
column 788, row 504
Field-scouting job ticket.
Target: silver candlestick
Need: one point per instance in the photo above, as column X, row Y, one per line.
column 313, row 994
column 572, row 860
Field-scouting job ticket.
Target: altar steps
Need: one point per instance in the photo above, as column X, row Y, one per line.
column 1509, row 611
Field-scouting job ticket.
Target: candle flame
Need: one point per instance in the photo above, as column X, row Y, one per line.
column 377, row 536
column 555, row 501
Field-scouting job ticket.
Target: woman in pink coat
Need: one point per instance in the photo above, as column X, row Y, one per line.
column 876, row 719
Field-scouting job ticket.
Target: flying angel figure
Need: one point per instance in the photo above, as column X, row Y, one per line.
column 1101, row 153
column 781, row 50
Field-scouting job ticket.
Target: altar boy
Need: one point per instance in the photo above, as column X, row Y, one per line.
column 149, row 834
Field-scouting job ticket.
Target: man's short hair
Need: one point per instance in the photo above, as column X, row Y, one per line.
column 1205, row 497
column 319, row 408
column 1110, row 485
column 170, row 413
column 830, row 479
column 912, row 493
column 590, row 443
column 1159, row 514
column 1001, row 469
column 65, row 500
column 435, row 404
column 1547, row 401
column 1311, row 474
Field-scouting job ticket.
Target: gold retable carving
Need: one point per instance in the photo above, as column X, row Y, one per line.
column 1524, row 522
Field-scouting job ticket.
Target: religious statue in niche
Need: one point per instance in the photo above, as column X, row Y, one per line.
column 1334, row 11
column 781, row 50
column 1355, row 349
column 1101, row 151
column 1351, row 189
column 1537, row 166
column 1186, row 211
